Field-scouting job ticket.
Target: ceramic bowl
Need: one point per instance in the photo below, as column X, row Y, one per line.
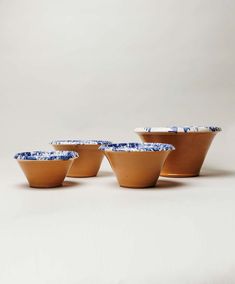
column 191, row 143
column 45, row 169
column 137, row 165
column 90, row 157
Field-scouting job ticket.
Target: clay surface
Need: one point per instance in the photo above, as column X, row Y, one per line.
column 89, row 161
column 191, row 150
column 137, row 169
column 45, row 174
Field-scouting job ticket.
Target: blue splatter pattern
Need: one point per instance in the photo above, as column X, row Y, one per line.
column 79, row 142
column 46, row 156
column 179, row 129
column 137, row 147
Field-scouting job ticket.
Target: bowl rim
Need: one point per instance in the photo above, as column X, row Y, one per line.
column 133, row 147
column 79, row 142
column 42, row 156
column 178, row 129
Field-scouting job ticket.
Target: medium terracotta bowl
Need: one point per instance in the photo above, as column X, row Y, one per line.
column 90, row 157
column 45, row 169
column 137, row 165
column 191, row 143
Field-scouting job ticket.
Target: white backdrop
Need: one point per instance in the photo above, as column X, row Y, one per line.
column 98, row 69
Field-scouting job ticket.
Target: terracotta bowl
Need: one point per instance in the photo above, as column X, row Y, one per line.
column 191, row 143
column 137, row 165
column 45, row 169
column 90, row 157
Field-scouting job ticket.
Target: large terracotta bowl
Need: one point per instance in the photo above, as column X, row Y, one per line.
column 191, row 143
column 45, row 169
column 90, row 157
column 137, row 165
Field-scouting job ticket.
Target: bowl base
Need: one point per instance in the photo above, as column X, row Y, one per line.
column 137, row 186
column 180, row 175
column 81, row 176
column 45, row 186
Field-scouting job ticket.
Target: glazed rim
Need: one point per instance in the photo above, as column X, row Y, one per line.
column 79, row 142
column 137, row 147
column 46, row 155
column 176, row 129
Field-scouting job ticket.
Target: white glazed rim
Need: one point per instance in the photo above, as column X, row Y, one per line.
column 178, row 129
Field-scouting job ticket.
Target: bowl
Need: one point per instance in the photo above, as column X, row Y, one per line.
column 191, row 143
column 45, row 169
column 90, row 157
column 137, row 165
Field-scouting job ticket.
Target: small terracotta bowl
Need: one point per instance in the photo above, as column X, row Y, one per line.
column 137, row 165
column 90, row 157
column 45, row 169
column 191, row 143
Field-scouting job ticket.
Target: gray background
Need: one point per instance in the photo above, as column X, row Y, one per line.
column 98, row 69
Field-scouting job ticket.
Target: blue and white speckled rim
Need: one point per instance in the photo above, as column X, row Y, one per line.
column 46, row 155
column 79, row 142
column 137, row 147
column 178, row 129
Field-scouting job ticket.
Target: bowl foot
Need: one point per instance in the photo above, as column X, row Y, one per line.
column 81, row 176
column 137, row 186
column 179, row 175
column 45, row 186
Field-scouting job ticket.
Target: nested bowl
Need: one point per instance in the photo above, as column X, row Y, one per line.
column 90, row 157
